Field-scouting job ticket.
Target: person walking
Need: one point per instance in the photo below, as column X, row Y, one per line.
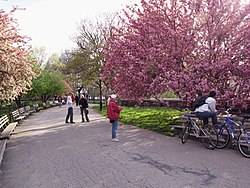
column 113, row 112
column 83, row 103
column 77, row 99
column 70, row 109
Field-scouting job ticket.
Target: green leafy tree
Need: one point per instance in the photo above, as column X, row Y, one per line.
column 91, row 40
column 81, row 68
column 46, row 85
column 39, row 54
column 54, row 64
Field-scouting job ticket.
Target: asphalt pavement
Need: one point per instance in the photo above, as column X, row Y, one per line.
column 44, row 152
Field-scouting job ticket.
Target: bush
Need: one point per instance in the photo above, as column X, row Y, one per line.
column 155, row 119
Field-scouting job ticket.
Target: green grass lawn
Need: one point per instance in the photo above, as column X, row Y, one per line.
column 151, row 118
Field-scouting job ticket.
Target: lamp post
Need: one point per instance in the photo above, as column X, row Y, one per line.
column 100, row 85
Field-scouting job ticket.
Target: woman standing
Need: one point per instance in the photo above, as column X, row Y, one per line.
column 113, row 112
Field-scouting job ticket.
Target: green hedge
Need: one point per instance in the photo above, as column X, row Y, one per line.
column 151, row 118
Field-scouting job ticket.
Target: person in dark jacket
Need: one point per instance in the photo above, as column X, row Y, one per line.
column 113, row 112
column 208, row 110
column 77, row 100
column 83, row 103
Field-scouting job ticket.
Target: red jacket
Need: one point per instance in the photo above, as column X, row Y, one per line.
column 113, row 111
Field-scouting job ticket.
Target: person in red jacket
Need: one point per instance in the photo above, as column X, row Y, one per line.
column 113, row 112
column 73, row 98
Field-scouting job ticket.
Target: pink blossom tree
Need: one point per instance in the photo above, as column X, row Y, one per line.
column 150, row 45
column 16, row 67
column 221, row 58
column 181, row 45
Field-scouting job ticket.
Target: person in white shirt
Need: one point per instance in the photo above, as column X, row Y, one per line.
column 70, row 109
column 208, row 109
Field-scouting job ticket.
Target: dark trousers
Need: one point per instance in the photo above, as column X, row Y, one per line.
column 205, row 115
column 69, row 115
column 85, row 113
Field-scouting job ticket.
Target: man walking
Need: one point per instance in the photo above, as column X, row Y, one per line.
column 70, row 109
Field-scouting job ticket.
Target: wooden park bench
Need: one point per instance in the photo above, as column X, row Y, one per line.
column 36, row 107
column 41, row 106
column 55, row 103
column 22, row 112
column 16, row 116
column 6, row 128
column 246, row 120
column 63, row 102
column 45, row 105
column 52, row 104
column 29, row 110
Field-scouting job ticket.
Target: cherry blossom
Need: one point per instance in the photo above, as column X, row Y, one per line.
column 181, row 45
column 16, row 67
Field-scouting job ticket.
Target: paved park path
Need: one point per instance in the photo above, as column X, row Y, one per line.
column 44, row 152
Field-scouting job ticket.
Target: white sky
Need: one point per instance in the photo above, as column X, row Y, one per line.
column 52, row 23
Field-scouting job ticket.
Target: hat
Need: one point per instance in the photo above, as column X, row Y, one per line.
column 113, row 96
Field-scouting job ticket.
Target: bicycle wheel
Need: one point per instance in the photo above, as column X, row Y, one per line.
column 185, row 133
column 244, row 143
column 209, row 137
column 223, row 136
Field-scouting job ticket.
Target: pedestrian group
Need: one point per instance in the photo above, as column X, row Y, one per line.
column 113, row 111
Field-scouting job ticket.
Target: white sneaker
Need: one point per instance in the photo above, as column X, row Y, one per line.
column 115, row 140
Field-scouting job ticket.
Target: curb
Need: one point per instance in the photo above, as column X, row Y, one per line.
column 3, row 144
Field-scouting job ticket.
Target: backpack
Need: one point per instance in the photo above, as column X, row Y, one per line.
column 198, row 102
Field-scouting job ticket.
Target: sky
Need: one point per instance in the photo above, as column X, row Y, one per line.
column 53, row 23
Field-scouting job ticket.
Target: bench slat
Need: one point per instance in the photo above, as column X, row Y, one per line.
column 23, row 112
column 15, row 113
column 3, row 124
column 16, row 116
column 4, row 120
column 7, row 131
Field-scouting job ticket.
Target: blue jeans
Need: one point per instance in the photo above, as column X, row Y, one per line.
column 205, row 115
column 114, row 128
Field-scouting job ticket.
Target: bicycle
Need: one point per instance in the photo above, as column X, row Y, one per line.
column 207, row 133
column 236, row 132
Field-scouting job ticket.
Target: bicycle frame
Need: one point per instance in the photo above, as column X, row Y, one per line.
column 238, row 135
column 194, row 125
column 229, row 123
column 208, row 136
